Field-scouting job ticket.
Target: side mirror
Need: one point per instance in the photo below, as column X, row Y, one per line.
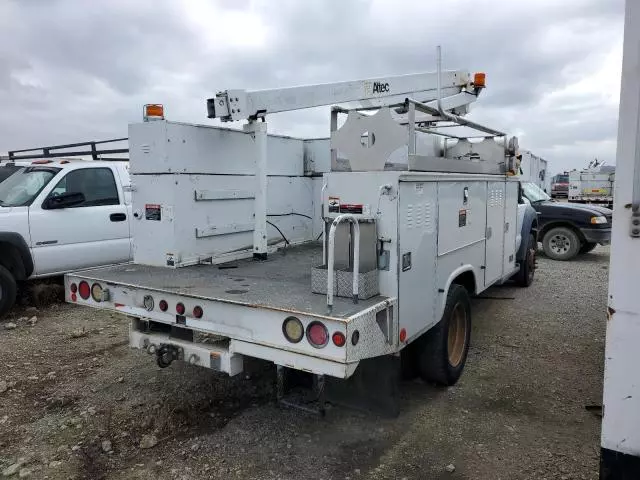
column 64, row 200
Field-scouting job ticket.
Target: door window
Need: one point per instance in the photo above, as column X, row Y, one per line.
column 96, row 184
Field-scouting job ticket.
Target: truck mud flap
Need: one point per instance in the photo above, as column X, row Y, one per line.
column 374, row 387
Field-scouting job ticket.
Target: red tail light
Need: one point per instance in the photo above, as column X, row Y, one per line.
column 164, row 306
column 73, row 287
column 84, row 290
column 338, row 339
column 317, row 334
column 198, row 312
column 180, row 309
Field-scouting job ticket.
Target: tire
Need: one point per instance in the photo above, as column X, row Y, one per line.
column 561, row 243
column 8, row 289
column 440, row 359
column 587, row 247
column 524, row 277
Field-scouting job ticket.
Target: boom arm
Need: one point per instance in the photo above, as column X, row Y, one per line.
column 232, row 105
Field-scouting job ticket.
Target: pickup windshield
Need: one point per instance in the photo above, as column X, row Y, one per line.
column 6, row 171
column 533, row 193
column 21, row 188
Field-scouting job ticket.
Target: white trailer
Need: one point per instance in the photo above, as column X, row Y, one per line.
column 536, row 170
column 620, row 454
column 591, row 186
column 404, row 243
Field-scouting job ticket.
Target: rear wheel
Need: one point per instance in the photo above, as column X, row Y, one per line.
column 561, row 243
column 587, row 247
column 442, row 351
column 8, row 289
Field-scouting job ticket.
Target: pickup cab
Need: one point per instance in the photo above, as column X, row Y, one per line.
column 58, row 216
column 568, row 229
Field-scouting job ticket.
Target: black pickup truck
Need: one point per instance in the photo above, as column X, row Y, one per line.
column 568, row 229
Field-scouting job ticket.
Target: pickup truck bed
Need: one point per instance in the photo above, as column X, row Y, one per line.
column 282, row 282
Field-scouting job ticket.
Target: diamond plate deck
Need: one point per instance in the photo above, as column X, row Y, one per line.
column 282, row 282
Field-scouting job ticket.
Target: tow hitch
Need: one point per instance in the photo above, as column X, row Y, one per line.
column 167, row 353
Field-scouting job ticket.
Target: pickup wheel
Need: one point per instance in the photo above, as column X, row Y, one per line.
column 561, row 243
column 442, row 351
column 587, row 247
column 8, row 289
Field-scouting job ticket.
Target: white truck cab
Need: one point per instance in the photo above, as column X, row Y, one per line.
column 60, row 215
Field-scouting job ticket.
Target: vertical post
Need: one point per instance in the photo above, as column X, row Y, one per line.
column 333, row 127
column 258, row 132
column 412, row 128
column 620, row 442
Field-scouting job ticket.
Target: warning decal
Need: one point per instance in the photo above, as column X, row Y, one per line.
column 153, row 211
column 334, row 204
column 351, row 208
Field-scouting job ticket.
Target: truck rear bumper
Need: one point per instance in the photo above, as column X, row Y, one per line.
column 228, row 356
column 597, row 235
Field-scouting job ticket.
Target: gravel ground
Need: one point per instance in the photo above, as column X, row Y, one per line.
column 76, row 403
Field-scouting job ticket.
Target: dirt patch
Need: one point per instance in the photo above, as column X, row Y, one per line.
column 78, row 406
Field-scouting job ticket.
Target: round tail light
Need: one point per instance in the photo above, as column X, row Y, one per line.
column 180, row 309
column 338, row 339
column 292, row 329
column 198, row 312
column 96, row 292
column 73, row 287
column 317, row 334
column 164, row 306
column 84, row 290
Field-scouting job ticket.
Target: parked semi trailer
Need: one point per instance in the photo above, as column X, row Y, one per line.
column 404, row 244
column 620, row 454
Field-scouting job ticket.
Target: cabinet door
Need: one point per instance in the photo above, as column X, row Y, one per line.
column 417, row 223
column 494, row 256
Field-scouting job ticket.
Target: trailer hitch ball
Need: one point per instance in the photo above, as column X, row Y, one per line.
column 166, row 354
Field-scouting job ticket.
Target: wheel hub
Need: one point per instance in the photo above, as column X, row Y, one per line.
column 457, row 336
column 560, row 244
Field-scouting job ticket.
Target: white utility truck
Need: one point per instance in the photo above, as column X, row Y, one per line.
column 592, row 185
column 405, row 243
column 620, row 453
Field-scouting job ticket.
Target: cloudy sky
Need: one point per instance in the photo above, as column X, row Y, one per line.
column 73, row 70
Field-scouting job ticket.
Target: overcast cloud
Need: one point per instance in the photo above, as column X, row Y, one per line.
column 73, row 70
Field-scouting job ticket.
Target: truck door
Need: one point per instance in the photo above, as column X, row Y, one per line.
column 495, row 232
column 93, row 233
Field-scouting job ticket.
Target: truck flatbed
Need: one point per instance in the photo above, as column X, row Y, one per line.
column 282, row 282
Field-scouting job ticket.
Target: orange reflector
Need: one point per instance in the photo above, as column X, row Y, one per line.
column 153, row 110
column 479, row 79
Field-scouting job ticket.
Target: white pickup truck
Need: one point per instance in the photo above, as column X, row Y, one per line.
column 61, row 215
